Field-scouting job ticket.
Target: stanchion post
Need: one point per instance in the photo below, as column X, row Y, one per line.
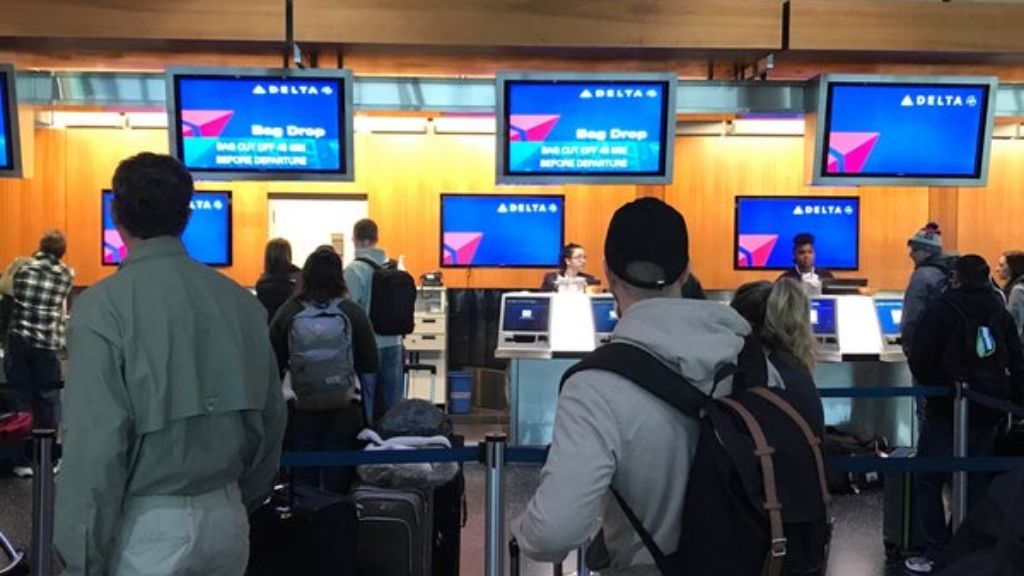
column 581, row 561
column 42, row 501
column 960, row 424
column 494, row 458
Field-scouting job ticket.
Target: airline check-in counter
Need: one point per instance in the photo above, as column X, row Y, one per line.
column 542, row 335
column 859, row 346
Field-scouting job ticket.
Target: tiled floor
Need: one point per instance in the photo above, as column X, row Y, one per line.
column 856, row 551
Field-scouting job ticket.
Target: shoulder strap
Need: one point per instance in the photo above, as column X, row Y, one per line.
column 646, row 371
column 772, row 505
column 813, row 440
column 373, row 264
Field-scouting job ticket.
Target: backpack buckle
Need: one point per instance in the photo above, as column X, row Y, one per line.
column 778, row 547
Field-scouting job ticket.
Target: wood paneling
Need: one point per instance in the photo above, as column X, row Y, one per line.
column 711, row 172
column 905, row 26
column 404, row 175
column 239, row 20
column 990, row 218
column 569, row 23
column 30, row 207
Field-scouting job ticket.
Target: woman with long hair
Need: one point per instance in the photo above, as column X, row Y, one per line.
column 325, row 417
column 279, row 278
column 779, row 314
column 1011, row 272
column 573, row 260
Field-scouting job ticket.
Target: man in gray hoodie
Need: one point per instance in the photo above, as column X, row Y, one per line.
column 611, row 433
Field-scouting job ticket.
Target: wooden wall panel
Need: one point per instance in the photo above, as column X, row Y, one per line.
column 30, row 207
column 575, row 23
column 241, row 20
column 711, row 172
column 404, row 175
column 905, row 26
column 990, row 218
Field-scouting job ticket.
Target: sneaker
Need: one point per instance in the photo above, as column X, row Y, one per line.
column 919, row 565
column 22, row 471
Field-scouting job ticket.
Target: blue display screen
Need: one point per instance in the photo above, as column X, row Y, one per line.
column 890, row 314
column 766, row 226
column 913, row 130
column 605, row 315
column 586, row 127
column 823, row 316
column 526, row 314
column 207, row 236
column 512, row 231
column 261, row 124
column 6, row 157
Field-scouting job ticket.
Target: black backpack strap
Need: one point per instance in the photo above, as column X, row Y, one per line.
column 659, row 557
column 373, row 264
column 646, row 371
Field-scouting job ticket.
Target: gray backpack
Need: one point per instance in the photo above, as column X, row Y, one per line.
column 320, row 355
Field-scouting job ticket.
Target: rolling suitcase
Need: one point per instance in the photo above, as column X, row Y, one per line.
column 303, row 531
column 449, row 518
column 396, row 532
column 897, row 508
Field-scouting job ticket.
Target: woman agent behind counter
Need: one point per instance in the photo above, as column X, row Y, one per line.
column 574, row 258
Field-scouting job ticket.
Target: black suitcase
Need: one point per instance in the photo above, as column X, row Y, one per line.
column 396, row 531
column 897, row 508
column 303, row 531
column 449, row 518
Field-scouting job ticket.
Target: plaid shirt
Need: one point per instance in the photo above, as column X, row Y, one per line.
column 40, row 289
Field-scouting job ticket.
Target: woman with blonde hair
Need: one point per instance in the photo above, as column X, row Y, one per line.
column 779, row 314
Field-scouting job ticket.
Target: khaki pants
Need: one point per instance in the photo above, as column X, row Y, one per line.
column 202, row 535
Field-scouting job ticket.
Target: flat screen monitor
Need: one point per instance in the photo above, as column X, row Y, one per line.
column 823, row 316
column 10, row 150
column 890, row 314
column 526, row 314
column 606, row 316
column 521, row 231
column 910, row 130
column 261, row 124
column 766, row 225
column 207, row 235
column 556, row 128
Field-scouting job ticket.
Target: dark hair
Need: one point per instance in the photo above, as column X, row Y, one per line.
column 801, row 239
column 152, row 193
column 277, row 257
column 971, row 271
column 322, row 277
column 1015, row 262
column 365, row 231
column 53, row 243
column 567, row 254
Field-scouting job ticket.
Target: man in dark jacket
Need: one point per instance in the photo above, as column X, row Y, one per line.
column 966, row 334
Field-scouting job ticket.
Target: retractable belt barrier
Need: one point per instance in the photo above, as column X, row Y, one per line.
column 494, row 454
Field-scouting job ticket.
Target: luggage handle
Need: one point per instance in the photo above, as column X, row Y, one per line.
column 12, row 553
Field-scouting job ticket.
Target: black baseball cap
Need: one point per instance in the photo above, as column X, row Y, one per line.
column 647, row 244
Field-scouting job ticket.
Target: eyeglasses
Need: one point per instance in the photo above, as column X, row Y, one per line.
column 579, row 257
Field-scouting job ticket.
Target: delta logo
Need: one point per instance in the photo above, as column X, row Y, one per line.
column 202, row 204
column 938, row 101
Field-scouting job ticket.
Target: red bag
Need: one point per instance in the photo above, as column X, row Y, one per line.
column 15, row 426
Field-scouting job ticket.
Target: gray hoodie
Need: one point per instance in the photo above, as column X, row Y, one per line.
column 610, row 432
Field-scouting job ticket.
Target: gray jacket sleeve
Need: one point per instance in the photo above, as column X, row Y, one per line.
column 1016, row 307
column 923, row 283
column 566, row 509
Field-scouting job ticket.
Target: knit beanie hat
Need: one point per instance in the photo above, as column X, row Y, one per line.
column 928, row 239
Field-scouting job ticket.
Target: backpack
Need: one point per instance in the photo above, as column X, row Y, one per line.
column 756, row 499
column 320, row 357
column 392, row 299
column 978, row 354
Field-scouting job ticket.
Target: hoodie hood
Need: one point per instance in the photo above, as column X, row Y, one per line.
column 692, row 337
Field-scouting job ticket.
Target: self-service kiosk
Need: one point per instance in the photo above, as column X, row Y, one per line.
column 825, row 325
column 525, row 325
column 606, row 317
column 890, row 314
